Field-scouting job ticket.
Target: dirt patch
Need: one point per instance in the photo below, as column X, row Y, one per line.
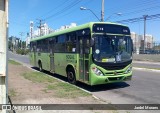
column 24, row 91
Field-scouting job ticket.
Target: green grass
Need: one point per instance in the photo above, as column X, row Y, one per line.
column 14, row 62
column 60, row 89
column 65, row 90
column 38, row 77
column 12, row 92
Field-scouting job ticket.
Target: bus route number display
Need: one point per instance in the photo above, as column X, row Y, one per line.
column 100, row 29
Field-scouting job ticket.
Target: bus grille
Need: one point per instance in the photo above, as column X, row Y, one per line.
column 114, row 67
column 115, row 78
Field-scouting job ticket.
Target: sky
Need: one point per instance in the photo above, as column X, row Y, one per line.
column 57, row 13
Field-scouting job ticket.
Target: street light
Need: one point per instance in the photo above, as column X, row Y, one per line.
column 83, row 8
column 119, row 14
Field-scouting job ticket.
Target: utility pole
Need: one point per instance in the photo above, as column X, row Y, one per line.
column 3, row 53
column 102, row 12
column 40, row 26
column 145, row 17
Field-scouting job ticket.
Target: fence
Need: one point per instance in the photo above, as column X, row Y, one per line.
column 154, row 49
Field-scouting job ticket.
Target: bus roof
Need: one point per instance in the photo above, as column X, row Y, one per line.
column 83, row 26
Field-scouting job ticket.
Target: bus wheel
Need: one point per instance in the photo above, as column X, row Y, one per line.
column 71, row 76
column 40, row 66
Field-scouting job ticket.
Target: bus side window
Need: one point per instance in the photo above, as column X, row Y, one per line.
column 51, row 45
column 55, row 45
column 33, row 47
column 60, row 43
column 71, row 42
column 38, row 46
column 45, row 45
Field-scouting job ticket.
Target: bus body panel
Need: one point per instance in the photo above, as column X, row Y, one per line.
column 110, row 76
column 81, row 62
column 31, row 58
column 44, row 59
column 62, row 60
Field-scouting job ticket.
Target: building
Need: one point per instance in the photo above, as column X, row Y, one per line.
column 66, row 26
column 43, row 30
column 31, row 30
column 149, row 41
column 14, row 43
column 28, row 38
column 138, row 42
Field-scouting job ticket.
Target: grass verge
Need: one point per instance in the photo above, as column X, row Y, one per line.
column 59, row 89
column 65, row 90
column 38, row 77
column 14, row 62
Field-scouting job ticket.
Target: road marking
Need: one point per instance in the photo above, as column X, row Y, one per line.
column 149, row 63
column 146, row 69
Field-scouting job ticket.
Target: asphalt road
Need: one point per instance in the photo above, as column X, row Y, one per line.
column 22, row 58
column 144, row 88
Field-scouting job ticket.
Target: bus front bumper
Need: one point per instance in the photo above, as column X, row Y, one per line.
column 96, row 80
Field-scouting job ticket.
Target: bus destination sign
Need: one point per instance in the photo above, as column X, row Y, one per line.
column 111, row 28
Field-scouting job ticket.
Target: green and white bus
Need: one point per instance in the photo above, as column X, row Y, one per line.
column 93, row 53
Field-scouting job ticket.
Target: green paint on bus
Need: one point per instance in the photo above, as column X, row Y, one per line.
column 93, row 53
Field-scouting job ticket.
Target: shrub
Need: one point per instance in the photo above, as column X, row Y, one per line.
column 22, row 51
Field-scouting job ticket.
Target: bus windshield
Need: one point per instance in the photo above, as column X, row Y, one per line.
column 112, row 48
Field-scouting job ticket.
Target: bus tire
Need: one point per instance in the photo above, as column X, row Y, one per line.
column 40, row 66
column 71, row 76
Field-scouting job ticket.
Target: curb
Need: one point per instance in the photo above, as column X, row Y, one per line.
column 146, row 69
column 146, row 62
column 29, row 66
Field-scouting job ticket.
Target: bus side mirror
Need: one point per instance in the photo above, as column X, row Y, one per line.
column 92, row 42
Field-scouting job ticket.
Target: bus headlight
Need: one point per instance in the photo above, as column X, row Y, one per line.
column 128, row 70
column 97, row 71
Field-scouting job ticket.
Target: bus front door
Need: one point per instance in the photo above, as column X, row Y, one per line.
column 84, row 58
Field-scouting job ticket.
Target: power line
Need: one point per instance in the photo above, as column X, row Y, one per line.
column 71, row 12
column 136, row 7
column 64, row 9
column 55, row 8
column 142, row 10
column 139, row 19
column 145, row 17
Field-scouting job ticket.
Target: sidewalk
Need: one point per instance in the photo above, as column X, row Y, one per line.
column 146, row 62
column 146, row 65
